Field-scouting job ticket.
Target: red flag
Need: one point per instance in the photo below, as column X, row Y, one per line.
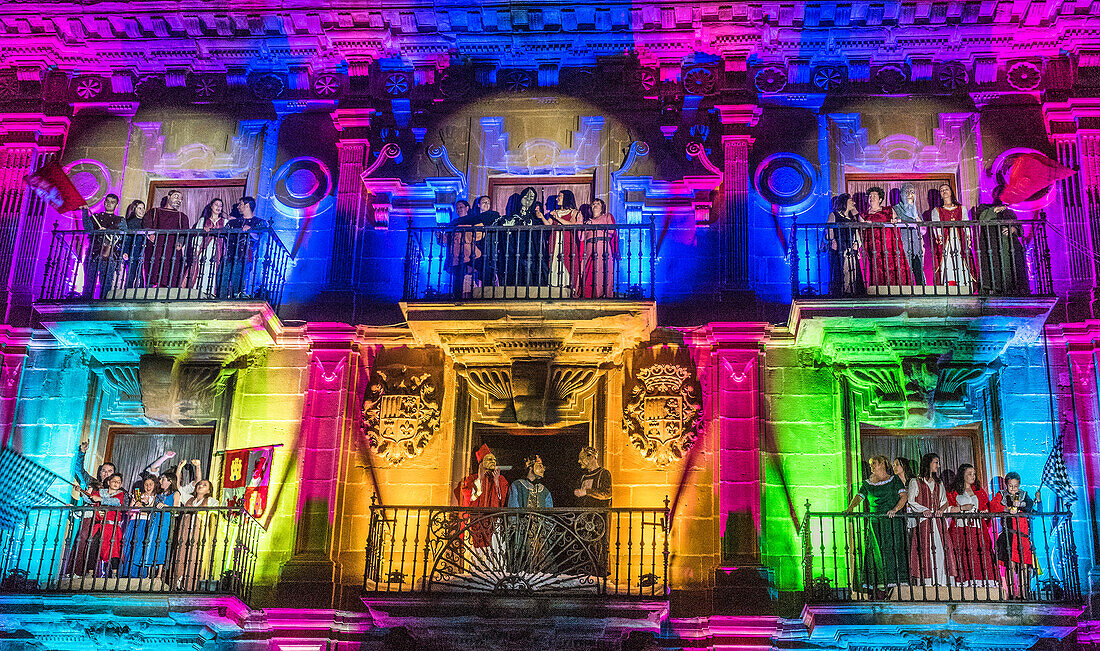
column 245, row 477
column 54, row 186
column 1029, row 174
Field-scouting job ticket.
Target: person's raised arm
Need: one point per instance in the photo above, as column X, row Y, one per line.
column 154, row 467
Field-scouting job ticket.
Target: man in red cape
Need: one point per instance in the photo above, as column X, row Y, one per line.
column 486, row 488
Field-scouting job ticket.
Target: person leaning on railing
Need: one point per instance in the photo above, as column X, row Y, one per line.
column 844, row 242
column 240, row 250
column 462, row 240
column 103, row 252
column 1014, row 547
column 193, row 539
column 931, row 554
column 972, row 537
column 133, row 244
column 76, row 555
column 885, row 562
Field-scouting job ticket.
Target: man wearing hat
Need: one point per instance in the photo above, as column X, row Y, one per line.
column 530, row 492
column 485, row 488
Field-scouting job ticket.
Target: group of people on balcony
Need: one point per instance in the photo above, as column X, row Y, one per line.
column 132, row 532
column 487, row 488
column 885, row 246
column 515, row 252
column 162, row 248
column 930, row 532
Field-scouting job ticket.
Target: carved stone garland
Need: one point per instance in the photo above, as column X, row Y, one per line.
column 399, row 415
column 664, row 413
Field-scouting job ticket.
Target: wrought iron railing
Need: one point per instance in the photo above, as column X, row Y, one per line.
column 618, row 552
column 160, row 265
column 1005, row 257
column 197, row 550
column 530, row 262
column 961, row 557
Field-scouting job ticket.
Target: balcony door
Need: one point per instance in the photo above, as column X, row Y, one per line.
column 955, row 446
column 131, row 449
column 502, row 188
column 558, row 447
column 198, row 193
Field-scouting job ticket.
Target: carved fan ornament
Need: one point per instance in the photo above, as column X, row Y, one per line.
column 399, row 415
column 664, row 414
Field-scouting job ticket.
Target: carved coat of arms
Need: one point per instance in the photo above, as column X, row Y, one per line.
column 399, row 414
column 664, row 413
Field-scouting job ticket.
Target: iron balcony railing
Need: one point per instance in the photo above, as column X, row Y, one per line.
column 165, row 265
column 610, row 552
column 196, row 550
column 1004, row 257
column 961, row 557
column 609, row 261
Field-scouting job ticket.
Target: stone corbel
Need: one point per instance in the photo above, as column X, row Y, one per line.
column 124, row 381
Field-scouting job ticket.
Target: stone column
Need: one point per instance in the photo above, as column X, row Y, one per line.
column 737, row 121
column 312, row 573
column 26, row 143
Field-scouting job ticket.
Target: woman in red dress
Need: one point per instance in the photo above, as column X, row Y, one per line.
column 972, row 537
column 886, row 255
column 107, row 527
column 952, row 244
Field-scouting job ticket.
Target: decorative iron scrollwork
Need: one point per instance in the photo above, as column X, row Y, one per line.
column 399, row 414
column 664, row 414
column 560, row 551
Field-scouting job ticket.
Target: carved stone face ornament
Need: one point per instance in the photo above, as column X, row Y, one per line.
column 664, row 413
column 399, row 414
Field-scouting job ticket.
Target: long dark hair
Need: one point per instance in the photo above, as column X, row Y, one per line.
column 586, row 212
column 131, row 210
column 906, row 467
column 840, row 204
column 959, row 485
column 926, row 466
column 208, row 212
column 568, row 201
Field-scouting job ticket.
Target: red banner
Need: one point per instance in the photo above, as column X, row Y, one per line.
column 53, row 185
column 246, row 474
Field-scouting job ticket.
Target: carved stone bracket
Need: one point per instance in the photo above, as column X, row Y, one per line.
column 400, row 415
column 664, row 413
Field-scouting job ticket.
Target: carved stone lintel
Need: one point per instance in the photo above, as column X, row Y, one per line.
column 400, row 415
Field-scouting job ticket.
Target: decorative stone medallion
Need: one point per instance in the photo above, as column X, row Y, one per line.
column 399, row 414
column 664, row 413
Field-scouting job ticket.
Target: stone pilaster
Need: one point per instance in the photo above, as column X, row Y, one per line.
column 313, row 570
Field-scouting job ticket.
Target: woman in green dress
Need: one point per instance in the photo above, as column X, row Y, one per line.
column 885, row 557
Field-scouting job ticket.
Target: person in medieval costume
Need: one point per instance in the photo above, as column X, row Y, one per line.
column 485, row 488
column 164, row 260
column 912, row 237
column 952, row 244
column 530, row 551
column 931, row 552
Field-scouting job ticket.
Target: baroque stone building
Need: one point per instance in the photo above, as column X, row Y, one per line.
column 732, row 353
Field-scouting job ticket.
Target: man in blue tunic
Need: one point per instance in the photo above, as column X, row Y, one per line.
column 529, row 492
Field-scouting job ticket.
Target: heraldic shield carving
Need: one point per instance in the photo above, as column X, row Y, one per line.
column 664, row 413
column 399, row 415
